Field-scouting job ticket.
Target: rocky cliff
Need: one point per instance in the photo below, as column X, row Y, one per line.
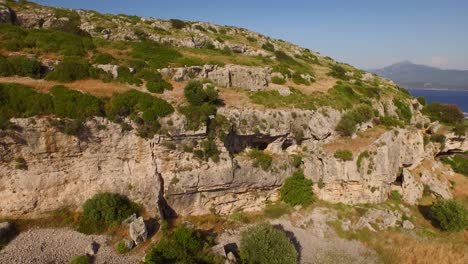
column 42, row 169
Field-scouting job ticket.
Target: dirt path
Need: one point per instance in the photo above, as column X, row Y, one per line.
column 57, row 246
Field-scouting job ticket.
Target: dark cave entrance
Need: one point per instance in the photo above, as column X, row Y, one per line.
column 235, row 143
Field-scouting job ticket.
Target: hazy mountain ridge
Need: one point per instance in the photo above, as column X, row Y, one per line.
column 412, row 75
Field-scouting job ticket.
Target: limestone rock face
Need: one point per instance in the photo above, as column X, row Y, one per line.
column 6, row 15
column 438, row 187
column 109, row 68
column 244, row 77
column 412, row 188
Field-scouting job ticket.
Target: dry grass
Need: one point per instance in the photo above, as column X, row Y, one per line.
column 398, row 247
column 358, row 144
column 94, row 87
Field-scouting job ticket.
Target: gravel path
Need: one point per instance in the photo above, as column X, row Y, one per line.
column 57, row 246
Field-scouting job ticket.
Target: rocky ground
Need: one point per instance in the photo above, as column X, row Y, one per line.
column 316, row 241
column 45, row 246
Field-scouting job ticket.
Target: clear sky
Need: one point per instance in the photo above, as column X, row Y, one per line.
column 364, row 33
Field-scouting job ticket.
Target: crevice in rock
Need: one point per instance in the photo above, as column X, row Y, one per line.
column 165, row 211
column 235, row 143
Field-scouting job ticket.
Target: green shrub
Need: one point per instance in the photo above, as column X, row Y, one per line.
column 395, row 196
column 460, row 129
column 458, row 162
column 125, row 76
column 197, row 115
column 344, row 155
column 278, row 80
column 158, row 86
column 450, row 215
column 438, row 138
column 196, row 95
column 157, row 55
column 296, row 160
column 6, row 69
column 105, row 210
column 67, row 44
column 178, row 24
column 338, row 72
column 133, row 102
column 73, row 25
column 69, row 70
column 297, row 79
column 390, row 121
column 80, row 260
column 263, row 244
column 404, row 111
column 297, row 190
column 348, row 123
column 21, row 164
column 76, row 105
column 183, row 245
column 121, row 248
column 421, row 100
column 445, row 113
column 17, row 100
column 362, row 156
column 23, row 66
column 103, row 58
column 261, row 159
column 268, row 46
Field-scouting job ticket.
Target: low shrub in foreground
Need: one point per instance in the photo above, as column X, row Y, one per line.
column 450, row 215
column 297, row 190
column 183, row 245
column 348, row 123
column 264, row 244
column 69, row 70
column 105, row 210
column 21, row 66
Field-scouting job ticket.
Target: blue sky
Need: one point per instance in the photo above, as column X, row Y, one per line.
column 364, row 33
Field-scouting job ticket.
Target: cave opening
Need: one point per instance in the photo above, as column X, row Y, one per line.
column 235, row 143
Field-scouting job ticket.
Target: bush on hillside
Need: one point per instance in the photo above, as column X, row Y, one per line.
column 297, row 190
column 421, row 100
column 297, row 79
column 183, row 245
column 18, row 100
column 458, row 162
column 264, row 244
column 390, row 122
column 178, row 24
column 344, row 155
column 196, row 95
column 21, row 66
column 268, row 46
column 76, row 105
column 105, row 210
column 338, row 72
column 69, row 70
column 157, row 55
column 158, row 86
column 261, row 159
column 403, row 110
column 278, row 80
column 450, row 215
column 103, row 58
column 125, row 76
column 67, row 44
column 348, row 123
column 445, row 113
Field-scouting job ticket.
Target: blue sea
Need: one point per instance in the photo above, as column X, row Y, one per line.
column 458, row 97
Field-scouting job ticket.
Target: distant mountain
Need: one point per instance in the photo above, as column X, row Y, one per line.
column 412, row 75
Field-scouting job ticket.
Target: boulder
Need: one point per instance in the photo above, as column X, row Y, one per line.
column 436, row 186
column 92, row 249
column 138, row 231
column 30, row 19
column 219, row 250
column 128, row 243
column 408, row 225
column 284, row 91
column 109, row 68
column 382, row 218
column 6, row 15
column 367, row 77
column 412, row 189
column 231, row 258
column 5, row 229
